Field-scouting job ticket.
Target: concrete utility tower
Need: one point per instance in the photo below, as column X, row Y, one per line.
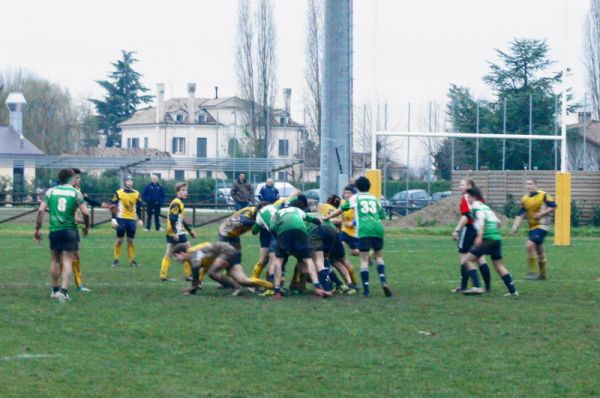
column 336, row 123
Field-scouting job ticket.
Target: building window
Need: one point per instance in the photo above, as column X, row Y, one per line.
column 145, row 142
column 179, row 118
column 179, row 175
column 233, row 147
column 201, row 118
column 135, row 142
column 209, row 174
column 282, row 176
column 283, row 147
column 201, row 144
column 178, row 145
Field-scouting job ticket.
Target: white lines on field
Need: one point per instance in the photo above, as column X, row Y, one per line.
column 30, row 356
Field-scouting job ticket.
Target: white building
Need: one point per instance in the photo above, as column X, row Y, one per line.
column 17, row 153
column 211, row 130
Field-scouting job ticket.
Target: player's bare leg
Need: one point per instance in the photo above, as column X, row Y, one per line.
column 55, row 268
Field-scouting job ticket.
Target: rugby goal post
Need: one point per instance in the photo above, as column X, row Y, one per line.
column 562, row 233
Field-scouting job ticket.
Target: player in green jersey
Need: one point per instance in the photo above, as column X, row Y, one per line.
column 487, row 242
column 62, row 202
column 368, row 214
column 292, row 240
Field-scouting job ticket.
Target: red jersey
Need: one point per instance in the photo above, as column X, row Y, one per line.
column 465, row 209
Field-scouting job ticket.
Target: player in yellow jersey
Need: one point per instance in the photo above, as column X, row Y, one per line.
column 348, row 223
column 237, row 224
column 213, row 258
column 537, row 206
column 128, row 209
column 177, row 230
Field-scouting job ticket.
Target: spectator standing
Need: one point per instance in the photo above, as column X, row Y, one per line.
column 268, row 192
column 242, row 192
column 154, row 197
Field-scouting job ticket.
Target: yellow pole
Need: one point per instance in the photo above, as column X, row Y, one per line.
column 562, row 233
column 374, row 177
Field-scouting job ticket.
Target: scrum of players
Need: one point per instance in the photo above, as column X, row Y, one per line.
column 307, row 248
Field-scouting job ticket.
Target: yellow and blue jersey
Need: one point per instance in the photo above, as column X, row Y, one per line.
column 348, row 217
column 175, row 220
column 239, row 223
column 532, row 204
column 129, row 204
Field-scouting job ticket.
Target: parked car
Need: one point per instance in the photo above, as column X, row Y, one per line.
column 284, row 188
column 224, row 196
column 405, row 202
column 313, row 199
column 436, row 197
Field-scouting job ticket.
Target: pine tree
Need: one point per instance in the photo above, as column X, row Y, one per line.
column 124, row 93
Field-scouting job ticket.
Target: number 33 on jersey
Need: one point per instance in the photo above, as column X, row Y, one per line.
column 368, row 214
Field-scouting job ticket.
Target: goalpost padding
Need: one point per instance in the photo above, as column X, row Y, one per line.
column 562, row 216
column 374, row 177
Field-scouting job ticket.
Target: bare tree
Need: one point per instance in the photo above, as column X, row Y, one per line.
column 245, row 68
column 255, row 52
column 592, row 54
column 312, row 71
column 370, row 118
column 49, row 119
column 266, row 63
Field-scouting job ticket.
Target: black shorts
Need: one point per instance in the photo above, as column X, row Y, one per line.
column 351, row 241
column 267, row 240
column 64, row 240
column 337, row 252
column 182, row 239
column 233, row 259
column 293, row 242
column 370, row 242
column 537, row 236
column 126, row 227
column 466, row 238
column 322, row 239
column 492, row 248
column 232, row 241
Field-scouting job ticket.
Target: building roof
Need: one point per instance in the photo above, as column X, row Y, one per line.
column 592, row 131
column 180, row 105
column 107, row 152
column 11, row 143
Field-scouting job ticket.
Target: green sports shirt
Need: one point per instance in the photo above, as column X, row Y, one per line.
column 63, row 201
column 368, row 214
column 289, row 218
column 484, row 216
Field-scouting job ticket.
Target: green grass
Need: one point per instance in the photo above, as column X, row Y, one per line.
column 134, row 336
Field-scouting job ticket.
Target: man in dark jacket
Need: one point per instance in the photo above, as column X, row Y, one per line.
column 268, row 192
column 242, row 192
column 154, row 197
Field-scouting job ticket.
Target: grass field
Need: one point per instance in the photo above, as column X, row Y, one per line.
column 134, row 336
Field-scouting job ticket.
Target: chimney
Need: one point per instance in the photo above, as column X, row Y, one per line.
column 160, row 105
column 216, row 92
column 15, row 102
column 191, row 89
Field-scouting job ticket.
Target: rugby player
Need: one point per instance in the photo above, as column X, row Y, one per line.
column 214, row 258
column 292, row 240
column 236, row 225
column 176, row 233
column 368, row 214
column 62, row 202
column 487, row 242
column 537, row 206
column 465, row 234
column 348, row 224
column 128, row 208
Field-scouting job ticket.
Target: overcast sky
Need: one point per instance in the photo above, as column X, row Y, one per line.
column 404, row 50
